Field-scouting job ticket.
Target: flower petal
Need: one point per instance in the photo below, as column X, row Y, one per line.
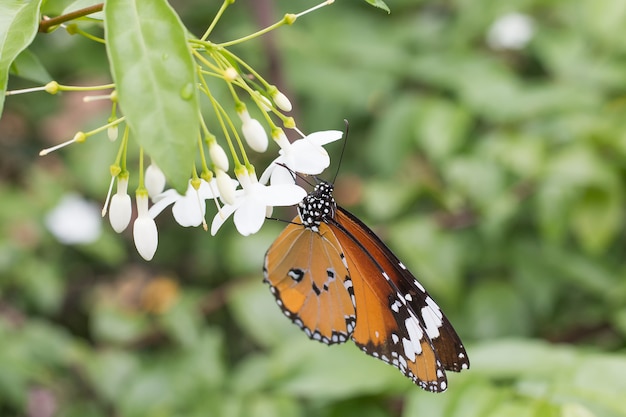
column 250, row 217
column 265, row 176
column 308, row 158
column 208, row 190
column 189, row 210
column 324, row 137
column 163, row 200
column 220, row 218
column 282, row 195
column 282, row 175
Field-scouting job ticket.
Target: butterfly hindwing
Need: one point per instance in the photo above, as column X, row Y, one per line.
column 308, row 275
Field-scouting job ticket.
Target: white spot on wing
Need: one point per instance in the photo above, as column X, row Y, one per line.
column 434, row 306
column 412, row 346
column 418, row 285
column 432, row 322
column 432, row 317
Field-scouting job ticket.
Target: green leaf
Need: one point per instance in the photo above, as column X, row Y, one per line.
column 495, row 310
column 472, row 398
column 109, row 372
column 533, row 359
column 441, row 128
column 392, row 137
column 333, row 372
column 18, row 26
column 597, row 217
column 155, row 79
column 114, row 325
column 380, row 4
column 255, row 310
column 28, row 66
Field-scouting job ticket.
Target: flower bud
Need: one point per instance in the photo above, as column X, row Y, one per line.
column 52, row 87
column 281, row 101
column 226, row 187
column 253, row 132
column 112, row 133
column 154, row 180
column 231, row 74
column 266, row 104
column 120, row 210
column 218, row 156
column 145, row 231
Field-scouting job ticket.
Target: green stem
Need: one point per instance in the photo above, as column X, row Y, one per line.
column 216, row 18
column 278, row 24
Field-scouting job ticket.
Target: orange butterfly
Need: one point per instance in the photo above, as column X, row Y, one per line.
column 334, row 278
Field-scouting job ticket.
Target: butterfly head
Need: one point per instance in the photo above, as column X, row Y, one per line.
column 318, row 207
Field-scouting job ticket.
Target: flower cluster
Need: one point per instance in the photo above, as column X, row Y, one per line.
column 247, row 198
column 224, row 173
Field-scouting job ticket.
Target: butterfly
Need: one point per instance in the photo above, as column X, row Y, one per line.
column 335, row 279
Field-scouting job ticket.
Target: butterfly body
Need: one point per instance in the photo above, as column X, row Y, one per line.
column 334, row 278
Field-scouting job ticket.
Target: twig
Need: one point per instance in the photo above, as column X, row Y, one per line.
column 46, row 24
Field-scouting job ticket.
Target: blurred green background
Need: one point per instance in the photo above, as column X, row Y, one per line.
column 495, row 169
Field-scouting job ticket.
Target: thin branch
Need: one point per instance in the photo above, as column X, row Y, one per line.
column 46, row 24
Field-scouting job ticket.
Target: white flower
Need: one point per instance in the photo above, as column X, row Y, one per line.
column 510, row 31
column 252, row 202
column 154, row 180
column 305, row 155
column 120, row 210
column 74, row 220
column 253, row 132
column 144, row 229
column 188, row 209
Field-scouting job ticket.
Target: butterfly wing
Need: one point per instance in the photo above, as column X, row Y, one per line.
column 398, row 321
column 308, row 275
column 447, row 343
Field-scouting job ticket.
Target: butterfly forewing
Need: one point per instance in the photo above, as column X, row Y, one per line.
column 308, row 275
column 386, row 327
column 436, row 326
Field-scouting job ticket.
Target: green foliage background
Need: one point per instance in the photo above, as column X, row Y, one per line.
column 497, row 177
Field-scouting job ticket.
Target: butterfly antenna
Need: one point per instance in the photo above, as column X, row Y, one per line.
column 343, row 149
